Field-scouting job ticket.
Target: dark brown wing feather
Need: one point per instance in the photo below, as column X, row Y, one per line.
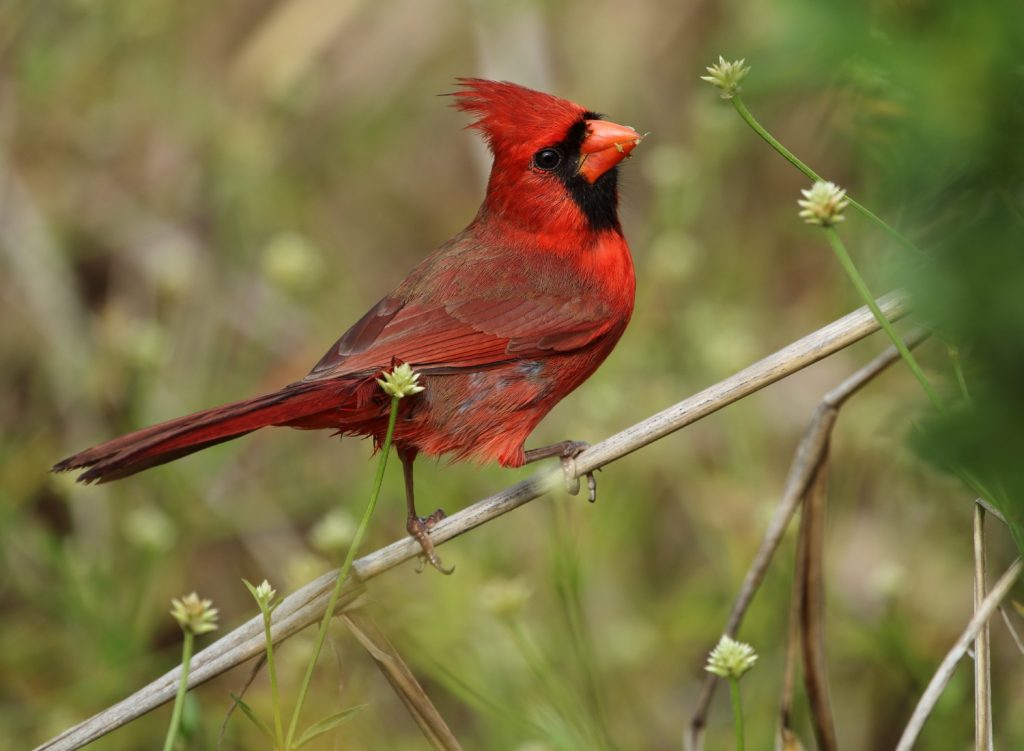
column 435, row 321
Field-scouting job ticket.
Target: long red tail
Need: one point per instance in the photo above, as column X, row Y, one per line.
column 170, row 440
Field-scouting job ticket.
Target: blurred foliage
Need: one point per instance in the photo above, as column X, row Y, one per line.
column 963, row 159
column 196, row 199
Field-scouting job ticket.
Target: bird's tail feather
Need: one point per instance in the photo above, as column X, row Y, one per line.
column 173, row 439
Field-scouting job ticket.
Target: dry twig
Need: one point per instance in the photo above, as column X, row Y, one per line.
column 402, row 680
column 948, row 665
column 307, row 604
column 994, row 512
column 812, row 609
column 982, row 652
column 1010, row 627
column 254, row 671
column 787, row 739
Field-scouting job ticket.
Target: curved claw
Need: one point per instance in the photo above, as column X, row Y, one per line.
column 591, row 487
column 572, row 480
column 419, row 528
column 572, row 476
column 567, row 451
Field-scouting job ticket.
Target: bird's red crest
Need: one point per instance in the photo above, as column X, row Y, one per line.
column 509, row 112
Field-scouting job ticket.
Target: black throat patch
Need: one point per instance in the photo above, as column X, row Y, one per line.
column 599, row 200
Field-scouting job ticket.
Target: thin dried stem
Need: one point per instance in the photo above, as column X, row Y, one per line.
column 948, row 665
column 787, row 738
column 1010, row 627
column 306, row 605
column 982, row 651
column 402, row 680
column 812, row 611
column 992, row 510
column 254, row 671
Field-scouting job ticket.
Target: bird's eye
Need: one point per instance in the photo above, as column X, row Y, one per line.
column 547, row 159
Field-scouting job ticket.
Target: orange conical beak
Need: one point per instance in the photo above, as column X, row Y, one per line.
column 605, row 145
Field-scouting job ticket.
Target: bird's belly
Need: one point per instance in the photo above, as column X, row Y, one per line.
column 484, row 415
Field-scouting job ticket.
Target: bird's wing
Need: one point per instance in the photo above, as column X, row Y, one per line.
column 467, row 333
column 479, row 302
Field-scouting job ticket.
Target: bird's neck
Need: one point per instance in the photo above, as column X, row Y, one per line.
column 557, row 230
column 544, row 224
column 600, row 256
column 557, row 210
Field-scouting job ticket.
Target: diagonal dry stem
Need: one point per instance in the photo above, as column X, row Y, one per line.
column 254, row 671
column 1012, row 629
column 402, row 680
column 947, row 667
column 306, row 605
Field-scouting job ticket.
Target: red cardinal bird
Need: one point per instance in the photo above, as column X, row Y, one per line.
column 502, row 321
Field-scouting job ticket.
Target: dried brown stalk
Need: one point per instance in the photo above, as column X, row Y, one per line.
column 402, row 680
column 812, row 610
column 982, row 652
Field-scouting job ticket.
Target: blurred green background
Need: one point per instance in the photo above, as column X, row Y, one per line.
column 196, row 199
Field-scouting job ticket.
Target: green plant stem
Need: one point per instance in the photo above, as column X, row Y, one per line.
column 364, row 524
column 179, row 699
column 741, row 108
column 272, row 671
column 737, row 712
column 862, row 289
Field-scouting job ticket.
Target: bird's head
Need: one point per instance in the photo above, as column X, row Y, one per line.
column 555, row 162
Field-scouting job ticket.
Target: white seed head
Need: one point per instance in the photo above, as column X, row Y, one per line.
column 823, row 204
column 194, row 615
column 265, row 593
column 731, row 659
column 401, row 382
column 726, row 76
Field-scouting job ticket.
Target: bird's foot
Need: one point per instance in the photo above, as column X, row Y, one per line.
column 567, row 451
column 419, row 528
column 572, row 477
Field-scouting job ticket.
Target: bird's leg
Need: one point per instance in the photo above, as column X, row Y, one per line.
column 567, row 451
column 418, row 526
